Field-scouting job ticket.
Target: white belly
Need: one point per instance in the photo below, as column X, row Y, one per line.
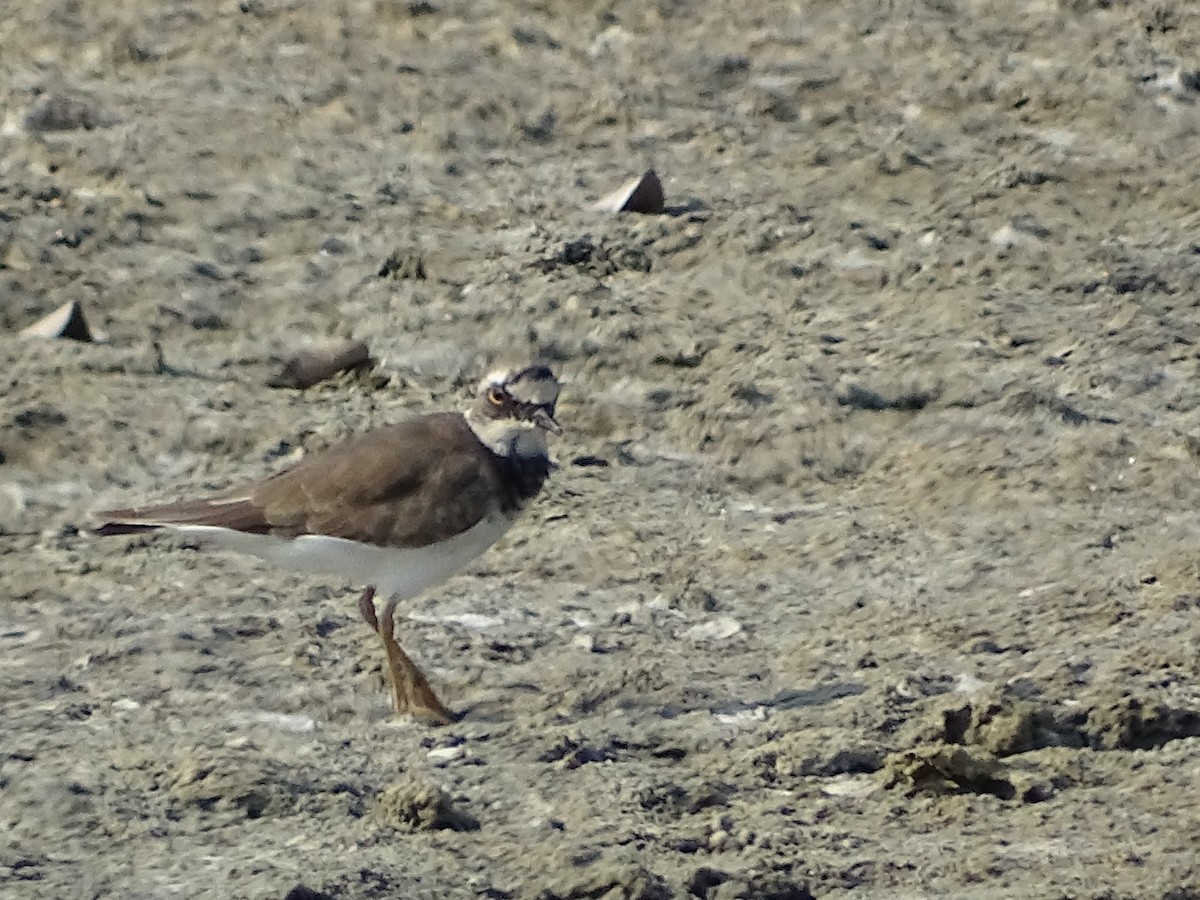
column 393, row 570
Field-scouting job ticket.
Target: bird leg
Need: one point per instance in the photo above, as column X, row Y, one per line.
column 411, row 692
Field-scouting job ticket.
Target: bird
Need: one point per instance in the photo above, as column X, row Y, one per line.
column 399, row 508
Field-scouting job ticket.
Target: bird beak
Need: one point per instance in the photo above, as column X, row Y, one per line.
column 544, row 418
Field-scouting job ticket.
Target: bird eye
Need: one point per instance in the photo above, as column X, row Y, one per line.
column 495, row 396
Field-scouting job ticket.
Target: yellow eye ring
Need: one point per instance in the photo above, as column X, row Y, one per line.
column 495, row 396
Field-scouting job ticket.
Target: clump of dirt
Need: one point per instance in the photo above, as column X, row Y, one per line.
column 228, row 783
column 364, row 883
column 821, row 755
column 669, row 801
column 606, row 875
column 1131, row 723
column 942, row 768
column 415, row 805
column 1006, row 726
column 304, row 892
column 708, row 883
column 598, row 257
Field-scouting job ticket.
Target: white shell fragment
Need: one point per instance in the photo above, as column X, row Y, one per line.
column 67, row 321
column 642, row 195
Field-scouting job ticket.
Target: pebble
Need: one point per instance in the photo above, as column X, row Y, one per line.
column 719, row 629
column 441, row 756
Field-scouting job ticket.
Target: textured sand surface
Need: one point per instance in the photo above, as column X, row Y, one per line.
column 871, row 566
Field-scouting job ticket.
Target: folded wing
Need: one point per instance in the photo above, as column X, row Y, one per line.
column 406, row 485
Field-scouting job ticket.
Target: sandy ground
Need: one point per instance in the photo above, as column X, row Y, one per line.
column 871, row 566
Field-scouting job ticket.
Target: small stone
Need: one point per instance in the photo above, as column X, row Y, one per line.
column 441, row 756
column 584, row 642
column 289, row 722
column 718, row 839
column 56, row 112
column 304, row 892
column 403, row 264
column 319, row 362
column 719, row 629
column 854, row 267
column 848, row 786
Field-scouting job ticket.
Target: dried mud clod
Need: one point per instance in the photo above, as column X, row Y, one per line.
column 1027, row 751
column 403, row 264
column 800, row 756
column 598, row 258
column 304, row 892
column 1005, row 727
column 669, row 801
column 360, row 883
column 420, row 806
column 944, row 769
column 602, row 875
column 228, row 784
column 910, row 397
column 1130, row 723
column 64, row 112
column 710, row 883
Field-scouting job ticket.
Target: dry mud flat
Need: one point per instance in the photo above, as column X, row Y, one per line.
column 870, row 569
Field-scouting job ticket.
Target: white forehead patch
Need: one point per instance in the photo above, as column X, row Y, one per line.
column 497, row 376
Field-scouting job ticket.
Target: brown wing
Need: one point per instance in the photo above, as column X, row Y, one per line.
column 406, row 485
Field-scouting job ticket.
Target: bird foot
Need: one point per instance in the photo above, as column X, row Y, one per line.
column 411, row 693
